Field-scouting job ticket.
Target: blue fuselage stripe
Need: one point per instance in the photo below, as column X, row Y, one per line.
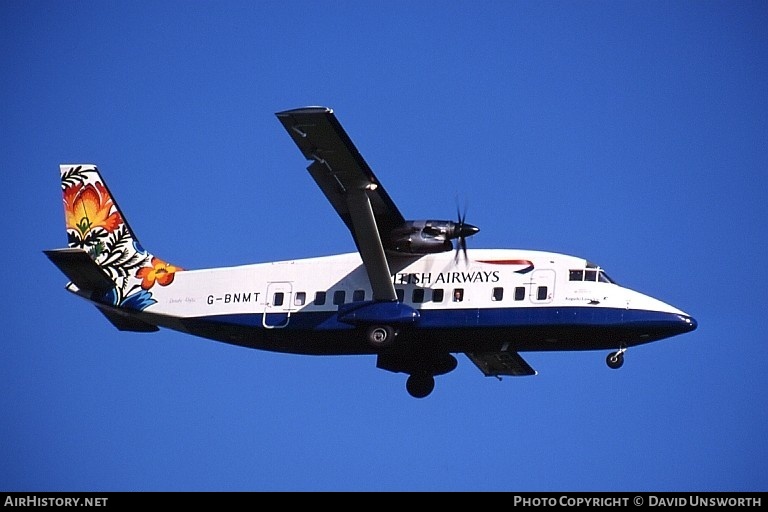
column 454, row 330
column 466, row 318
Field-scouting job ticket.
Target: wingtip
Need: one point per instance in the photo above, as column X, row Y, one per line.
column 305, row 110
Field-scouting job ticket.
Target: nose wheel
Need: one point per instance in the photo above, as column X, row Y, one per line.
column 616, row 359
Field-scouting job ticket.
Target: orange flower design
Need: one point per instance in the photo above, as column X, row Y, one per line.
column 88, row 207
column 160, row 272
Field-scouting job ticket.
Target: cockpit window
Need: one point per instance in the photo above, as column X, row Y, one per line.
column 603, row 278
column 590, row 274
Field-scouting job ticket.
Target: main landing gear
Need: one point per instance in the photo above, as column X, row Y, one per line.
column 421, row 378
column 616, row 359
column 420, row 385
column 403, row 352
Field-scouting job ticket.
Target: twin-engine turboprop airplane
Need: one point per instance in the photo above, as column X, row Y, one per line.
column 404, row 296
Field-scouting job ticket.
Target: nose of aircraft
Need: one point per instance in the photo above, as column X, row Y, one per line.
column 665, row 325
column 668, row 318
column 680, row 324
column 688, row 323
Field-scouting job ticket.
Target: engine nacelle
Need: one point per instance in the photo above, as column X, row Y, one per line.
column 423, row 236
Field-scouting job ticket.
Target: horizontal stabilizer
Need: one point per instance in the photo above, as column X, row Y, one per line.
column 493, row 364
column 127, row 323
column 78, row 266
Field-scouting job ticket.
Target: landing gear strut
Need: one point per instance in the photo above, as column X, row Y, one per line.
column 420, row 385
column 616, row 359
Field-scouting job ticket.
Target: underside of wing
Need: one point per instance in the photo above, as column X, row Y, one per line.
column 338, row 167
column 493, row 364
column 378, row 228
column 350, row 186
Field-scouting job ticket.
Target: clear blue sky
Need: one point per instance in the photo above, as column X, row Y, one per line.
column 631, row 133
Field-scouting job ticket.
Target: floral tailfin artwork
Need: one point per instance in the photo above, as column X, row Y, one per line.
column 104, row 259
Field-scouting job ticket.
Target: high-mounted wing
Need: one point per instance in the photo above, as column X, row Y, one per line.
column 351, row 187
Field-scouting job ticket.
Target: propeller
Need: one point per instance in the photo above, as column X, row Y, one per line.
column 461, row 230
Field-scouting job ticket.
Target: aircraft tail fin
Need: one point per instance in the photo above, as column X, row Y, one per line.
column 104, row 260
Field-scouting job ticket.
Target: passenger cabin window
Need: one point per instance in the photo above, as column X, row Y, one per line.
column 458, row 294
column 418, row 295
column 358, row 296
column 541, row 293
column 520, row 293
column 319, row 298
column 300, row 298
column 277, row 299
column 437, row 295
column 498, row 293
column 338, row 297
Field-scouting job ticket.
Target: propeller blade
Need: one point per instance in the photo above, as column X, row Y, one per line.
column 461, row 231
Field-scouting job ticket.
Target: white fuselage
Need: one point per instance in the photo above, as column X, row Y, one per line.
column 491, row 278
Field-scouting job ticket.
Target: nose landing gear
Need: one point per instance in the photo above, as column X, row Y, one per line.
column 616, row 359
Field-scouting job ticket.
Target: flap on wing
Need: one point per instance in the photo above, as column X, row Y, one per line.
column 78, row 266
column 493, row 364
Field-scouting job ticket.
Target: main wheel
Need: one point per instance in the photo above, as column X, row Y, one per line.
column 615, row 360
column 420, row 385
column 381, row 336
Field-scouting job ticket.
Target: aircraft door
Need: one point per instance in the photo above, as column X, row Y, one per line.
column 277, row 306
column 542, row 286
